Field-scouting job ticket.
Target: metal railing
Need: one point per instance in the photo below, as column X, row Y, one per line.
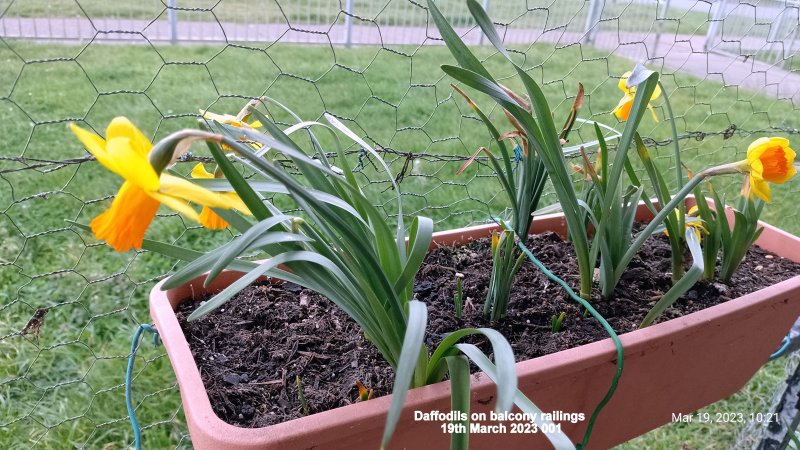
column 764, row 29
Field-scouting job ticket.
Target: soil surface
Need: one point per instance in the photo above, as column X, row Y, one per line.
column 252, row 351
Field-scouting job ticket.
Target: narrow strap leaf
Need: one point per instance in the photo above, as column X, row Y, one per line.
column 234, row 288
column 559, row 440
column 245, row 192
column 412, row 344
column 238, row 245
column 459, row 50
column 180, row 253
column 684, row 284
column 458, row 367
column 419, row 241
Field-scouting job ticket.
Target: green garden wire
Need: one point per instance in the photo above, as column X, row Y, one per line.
column 782, row 349
column 137, row 434
column 606, row 326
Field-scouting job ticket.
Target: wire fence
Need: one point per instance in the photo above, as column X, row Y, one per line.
column 68, row 304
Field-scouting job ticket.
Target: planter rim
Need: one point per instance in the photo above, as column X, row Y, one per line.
column 546, row 367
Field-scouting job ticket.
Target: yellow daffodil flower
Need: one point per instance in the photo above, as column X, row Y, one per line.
column 769, row 160
column 699, row 227
column 208, row 218
column 233, row 121
column 623, row 108
column 125, row 152
column 229, row 120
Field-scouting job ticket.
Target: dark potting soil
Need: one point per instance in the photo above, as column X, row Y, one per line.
column 251, row 351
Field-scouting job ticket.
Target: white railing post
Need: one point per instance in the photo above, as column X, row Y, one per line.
column 772, row 39
column 718, row 17
column 348, row 23
column 172, row 18
column 593, row 20
column 662, row 15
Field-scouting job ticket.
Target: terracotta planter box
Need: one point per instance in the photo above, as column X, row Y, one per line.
column 673, row 367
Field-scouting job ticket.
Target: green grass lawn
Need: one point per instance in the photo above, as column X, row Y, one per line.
column 64, row 390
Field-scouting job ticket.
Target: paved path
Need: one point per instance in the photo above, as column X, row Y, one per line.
column 670, row 53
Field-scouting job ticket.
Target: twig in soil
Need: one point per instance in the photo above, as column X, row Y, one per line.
column 313, row 355
column 266, row 383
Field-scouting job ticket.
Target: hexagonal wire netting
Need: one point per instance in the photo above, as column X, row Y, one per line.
column 728, row 67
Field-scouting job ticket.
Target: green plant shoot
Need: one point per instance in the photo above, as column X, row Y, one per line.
column 735, row 242
column 458, row 297
column 301, row 395
column 557, row 322
column 506, row 262
column 712, row 224
column 343, row 248
column 543, row 136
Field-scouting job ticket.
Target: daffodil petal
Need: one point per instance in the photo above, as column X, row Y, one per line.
column 756, row 169
column 759, row 144
column 176, row 204
column 652, row 112
column 760, row 188
column 623, row 108
column 131, row 164
column 199, row 171
column 222, row 118
column 235, row 202
column 623, row 81
column 791, row 171
column 95, row 145
column 123, row 225
column 211, row 116
column 656, row 93
column 779, row 142
column 178, row 187
column 121, row 127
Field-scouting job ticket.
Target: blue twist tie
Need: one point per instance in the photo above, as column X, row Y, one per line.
column 137, row 434
column 517, row 153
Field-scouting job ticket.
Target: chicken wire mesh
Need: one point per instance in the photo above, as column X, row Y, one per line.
column 69, row 304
